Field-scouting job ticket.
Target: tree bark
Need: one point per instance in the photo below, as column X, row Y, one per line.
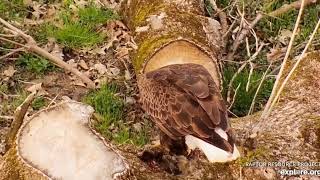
column 291, row 133
column 171, row 32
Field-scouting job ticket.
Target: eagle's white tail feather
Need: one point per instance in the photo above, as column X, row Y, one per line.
column 221, row 133
column 214, row 154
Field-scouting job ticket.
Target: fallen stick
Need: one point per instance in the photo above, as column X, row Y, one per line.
column 33, row 47
column 266, row 111
column 18, row 117
column 222, row 16
column 293, row 69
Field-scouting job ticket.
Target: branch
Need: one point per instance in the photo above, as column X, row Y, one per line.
column 222, row 16
column 28, row 38
column 240, row 69
column 275, row 86
column 12, row 52
column 7, row 117
column 32, row 46
column 294, row 68
column 245, row 31
column 19, row 114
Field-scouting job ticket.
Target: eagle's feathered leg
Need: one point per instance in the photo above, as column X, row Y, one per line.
column 177, row 147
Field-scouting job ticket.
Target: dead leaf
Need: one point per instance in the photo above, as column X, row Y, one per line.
column 130, row 100
column 122, row 52
column 78, row 82
column 285, row 36
column 53, row 48
column 72, row 63
column 137, row 127
column 114, row 71
column 83, row 65
column 38, row 9
column 276, row 54
column 37, row 87
column 9, row 72
column 66, row 98
column 127, row 75
column 142, row 29
column 100, row 68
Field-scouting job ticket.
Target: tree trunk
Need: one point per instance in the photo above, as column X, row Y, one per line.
column 59, row 143
column 176, row 31
column 173, row 32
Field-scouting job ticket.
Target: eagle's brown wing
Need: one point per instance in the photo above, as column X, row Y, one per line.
column 183, row 99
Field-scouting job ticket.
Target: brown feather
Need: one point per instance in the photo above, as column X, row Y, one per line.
column 183, row 99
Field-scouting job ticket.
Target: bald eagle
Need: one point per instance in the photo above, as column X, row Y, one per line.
column 186, row 104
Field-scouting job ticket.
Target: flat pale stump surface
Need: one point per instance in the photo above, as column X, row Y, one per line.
column 60, row 144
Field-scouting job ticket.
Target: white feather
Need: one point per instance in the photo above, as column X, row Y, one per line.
column 214, row 154
column 221, row 133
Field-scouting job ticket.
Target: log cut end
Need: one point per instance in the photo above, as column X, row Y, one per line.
column 59, row 143
column 182, row 52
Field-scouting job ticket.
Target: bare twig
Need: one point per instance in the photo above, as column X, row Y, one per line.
column 222, row 16
column 287, row 7
column 234, row 96
column 240, row 69
column 32, row 46
column 249, row 77
column 294, row 68
column 19, row 114
column 7, row 117
column 13, row 42
column 232, row 79
column 28, row 38
column 257, row 91
column 245, row 31
column 7, row 35
column 273, row 93
column 12, row 52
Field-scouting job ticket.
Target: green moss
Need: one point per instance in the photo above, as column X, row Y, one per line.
column 251, row 156
column 3, row 88
column 147, row 47
column 142, row 13
column 110, row 117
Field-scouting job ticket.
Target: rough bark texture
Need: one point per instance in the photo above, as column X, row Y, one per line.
column 291, row 133
column 156, row 24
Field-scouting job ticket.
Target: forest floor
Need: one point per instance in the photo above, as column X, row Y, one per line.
column 91, row 37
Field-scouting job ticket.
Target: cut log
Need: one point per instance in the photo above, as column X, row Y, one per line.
column 174, row 32
column 59, row 143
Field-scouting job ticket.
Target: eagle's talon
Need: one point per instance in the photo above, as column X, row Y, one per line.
column 194, row 154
